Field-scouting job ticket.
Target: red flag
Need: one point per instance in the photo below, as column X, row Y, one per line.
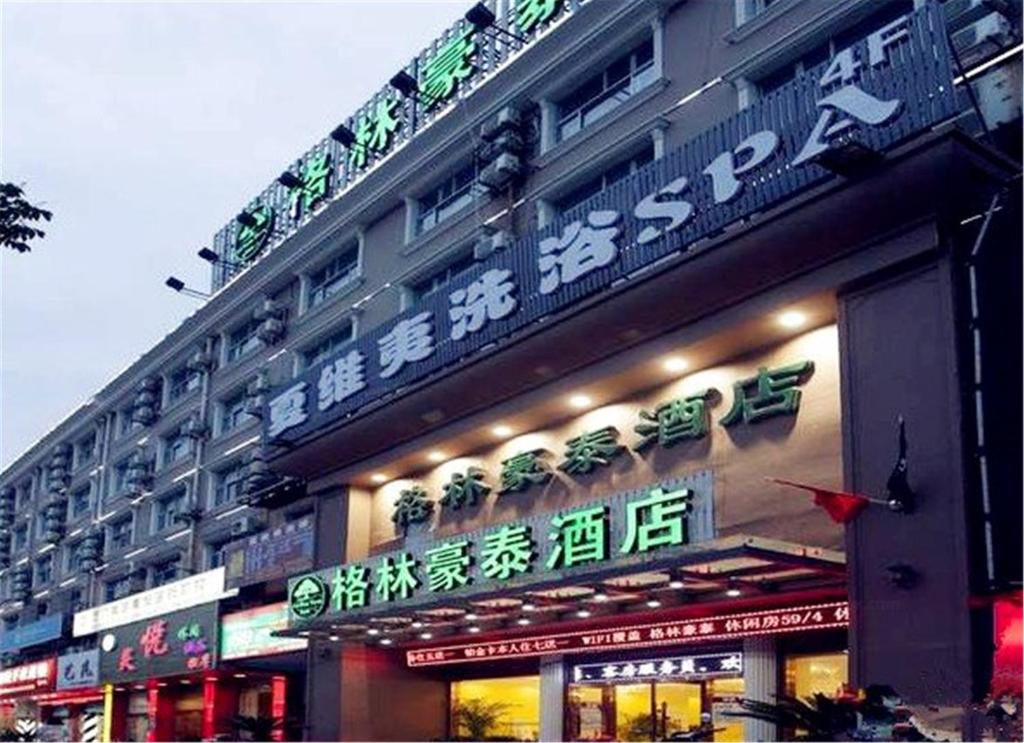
column 842, row 507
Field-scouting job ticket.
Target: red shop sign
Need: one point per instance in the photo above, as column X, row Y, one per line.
column 652, row 634
column 28, row 678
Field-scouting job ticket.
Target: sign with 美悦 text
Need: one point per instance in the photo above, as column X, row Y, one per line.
column 180, row 642
column 875, row 94
column 635, row 529
column 651, row 634
column 248, row 634
column 180, row 594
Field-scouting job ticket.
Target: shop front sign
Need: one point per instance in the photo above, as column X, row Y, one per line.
column 247, row 634
column 892, row 84
column 78, row 670
column 641, row 635
column 638, row 529
column 196, row 589
column 28, row 678
column 180, row 642
column 34, row 633
column 273, row 554
column 661, row 669
column 451, row 67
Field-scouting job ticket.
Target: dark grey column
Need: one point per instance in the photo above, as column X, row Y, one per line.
column 898, row 355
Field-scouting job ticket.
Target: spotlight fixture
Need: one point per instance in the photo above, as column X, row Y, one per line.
column 175, row 283
column 474, row 629
column 732, row 592
column 288, row 179
column 385, row 641
column 405, row 84
column 417, row 624
column 437, row 456
column 214, row 259
column 528, row 607
column 344, row 136
column 425, row 635
column 522, row 621
column 335, row 638
column 502, row 431
column 178, row 285
column 583, row 613
column 674, row 364
column 470, row 617
column 792, row 319
column 378, row 477
column 580, row 401
column 653, row 603
column 373, row 632
column 482, row 18
column 675, row 583
column 600, row 596
column 246, row 218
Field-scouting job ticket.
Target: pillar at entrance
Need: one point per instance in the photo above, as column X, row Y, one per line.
column 552, row 697
column 760, row 682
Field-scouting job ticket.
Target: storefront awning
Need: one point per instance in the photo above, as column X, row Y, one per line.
column 731, row 572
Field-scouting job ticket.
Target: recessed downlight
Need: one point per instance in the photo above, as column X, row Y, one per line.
column 792, row 319
column 580, row 401
column 674, row 364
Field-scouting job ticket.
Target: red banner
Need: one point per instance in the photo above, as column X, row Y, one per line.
column 28, row 678
column 652, row 634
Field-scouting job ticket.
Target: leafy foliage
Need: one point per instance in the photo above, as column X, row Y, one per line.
column 477, row 717
column 255, row 728
column 18, row 219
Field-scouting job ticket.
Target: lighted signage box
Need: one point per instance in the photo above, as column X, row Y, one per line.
column 247, row 634
column 269, row 555
column 34, row 633
column 682, row 667
column 892, row 84
column 639, row 529
column 78, row 670
column 641, row 635
column 28, row 678
column 181, row 642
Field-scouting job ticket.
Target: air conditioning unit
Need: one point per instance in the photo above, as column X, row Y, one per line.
column 982, row 38
column 246, row 525
column 999, row 95
column 960, row 13
column 488, row 244
column 501, row 172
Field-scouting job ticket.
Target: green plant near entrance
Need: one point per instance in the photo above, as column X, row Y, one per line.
column 476, row 719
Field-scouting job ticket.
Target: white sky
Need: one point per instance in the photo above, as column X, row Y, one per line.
column 145, row 127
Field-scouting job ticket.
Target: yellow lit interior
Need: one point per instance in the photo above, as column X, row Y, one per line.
column 678, row 707
column 807, row 675
column 724, row 696
column 632, row 711
column 514, row 703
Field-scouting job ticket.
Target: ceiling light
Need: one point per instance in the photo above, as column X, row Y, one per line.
column 792, row 319
column 502, row 432
column 335, row 638
column 436, row 456
column 238, row 675
column 425, row 635
column 600, row 596
column 675, row 584
column 523, row 621
column 733, row 592
column 379, row 477
column 674, row 364
column 529, row 607
column 580, row 401
column 417, row 624
column 470, row 617
column 653, row 604
column 373, row 631
column 474, row 629
column 385, row 641
column 583, row 613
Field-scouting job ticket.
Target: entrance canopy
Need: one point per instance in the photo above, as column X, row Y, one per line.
column 718, row 576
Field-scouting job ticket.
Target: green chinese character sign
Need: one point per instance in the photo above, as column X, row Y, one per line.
column 531, row 13
column 447, row 68
column 659, row 520
column 772, row 392
column 375, row 132
column 252, row 237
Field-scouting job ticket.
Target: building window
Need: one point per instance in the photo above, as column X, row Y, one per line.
column 517, row 700
column 750, row 9
column 233, row 413
column 44, row 570
column 328, row 346
column 600, row 182
column 443, row 276
column 20, row 537
column 168, row 508
column 117, row 589
column 125, row 424
column 42, row 609
column 177, row 445
column 81, row 501
column 334, row 277
column 215, row 555
column 24, row 495
column 119, row 479
column 85, row 450
column 74, row 557
column 228, row 485
column 182, row 382
column 607, row 90
column 165, row 572
column 40, row 525
column 826, row 49
column 243, row 340
column 454, row 193
column 120, row 536
column 76, row 600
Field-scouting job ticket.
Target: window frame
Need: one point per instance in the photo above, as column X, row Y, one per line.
column 326, row 347
column 37, row 579
column 181, row 383
column 321, row 289
column 179, row 496
column 444, row 266
column 112, row 535
column 73, row 513
column 249, row 343
column 447, row 197
column 222, row 485
column 169, row 443
column 606, row 177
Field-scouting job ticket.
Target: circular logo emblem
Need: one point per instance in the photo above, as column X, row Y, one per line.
column 109, row 642
column 308, row 597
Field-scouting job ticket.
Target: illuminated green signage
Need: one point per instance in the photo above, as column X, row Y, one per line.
column 636, row 528
column 253, row 234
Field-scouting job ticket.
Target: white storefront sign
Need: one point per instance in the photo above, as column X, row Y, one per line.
column 181, row 594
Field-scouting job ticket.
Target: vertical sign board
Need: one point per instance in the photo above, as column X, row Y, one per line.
column 891, row 85
column 181, row 642
column 248, row 634
column 272, row 554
